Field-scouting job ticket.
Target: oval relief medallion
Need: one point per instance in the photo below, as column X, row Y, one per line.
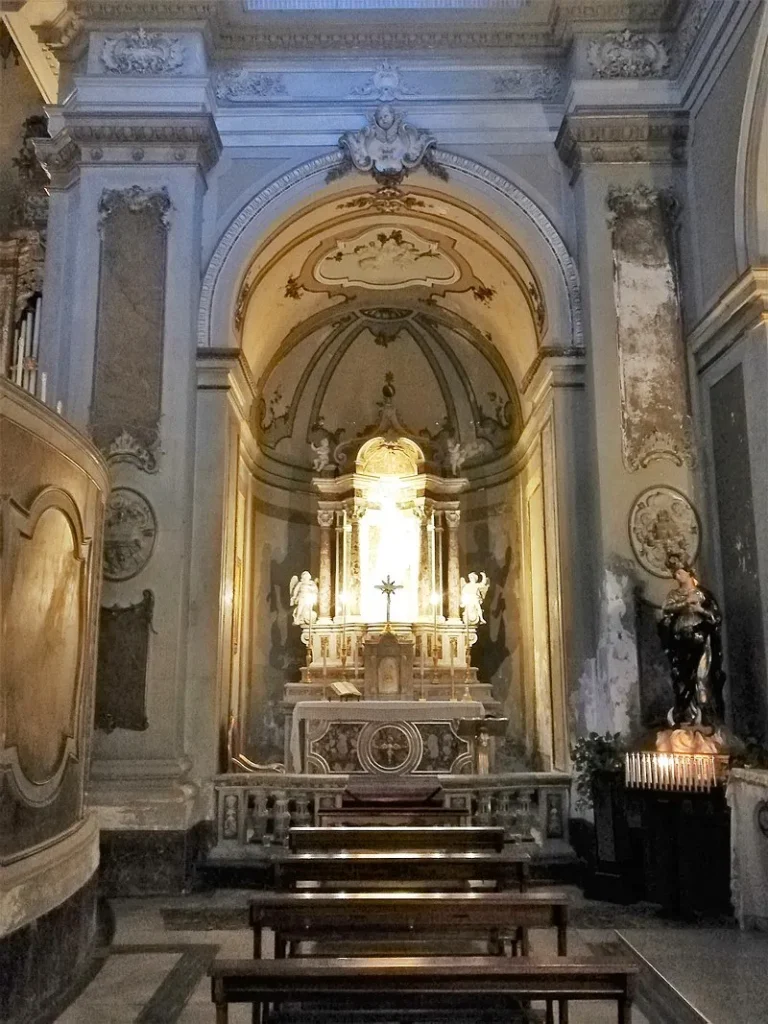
column 663, row 522
column 130, row 529
column 389, row 747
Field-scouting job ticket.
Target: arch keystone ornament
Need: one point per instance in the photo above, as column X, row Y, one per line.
column 388, row 147
column 663, row 522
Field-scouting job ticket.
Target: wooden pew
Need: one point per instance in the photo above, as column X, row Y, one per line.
column 368, row 981
column 407, row 869
column 327, row 917
column 373, row 839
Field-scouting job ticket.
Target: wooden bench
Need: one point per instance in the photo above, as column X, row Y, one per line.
column 371, row 839
column 366, row 982
column 331, row 917
column 407, row 869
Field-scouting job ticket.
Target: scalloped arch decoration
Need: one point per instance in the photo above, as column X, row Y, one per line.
column 321, row 165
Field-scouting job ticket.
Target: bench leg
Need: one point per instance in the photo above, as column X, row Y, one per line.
column 525, row 942
column 549, row 1013
column 625, row 1011
column 562, row 1010
column 222, row 1013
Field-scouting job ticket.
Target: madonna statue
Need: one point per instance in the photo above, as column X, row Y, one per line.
column 690, row 635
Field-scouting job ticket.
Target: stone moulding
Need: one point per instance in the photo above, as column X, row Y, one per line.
column 142, row 53
column 323, row 164
column 538, row 83
column 135, row 199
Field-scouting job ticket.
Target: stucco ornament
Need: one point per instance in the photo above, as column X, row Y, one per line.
column 473, row 593
column 539, row 83
column 627, row 55
column 242, row 85
column 662, row 525
column 387, row 146
column 142, row 53
column 385, row 84
column 130, row 529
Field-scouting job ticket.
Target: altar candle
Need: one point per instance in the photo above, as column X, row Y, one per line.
column 43, row 386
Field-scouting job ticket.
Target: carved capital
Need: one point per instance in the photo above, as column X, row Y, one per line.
column 452, row 518
column 325, row 518
column 658, row 137
column 161, row 139
column 60, row 158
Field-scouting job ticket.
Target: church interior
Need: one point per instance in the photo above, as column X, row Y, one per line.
column 383, row 511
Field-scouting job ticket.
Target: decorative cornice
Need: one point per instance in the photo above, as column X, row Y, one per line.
column 658, row 137
column 132, row 139
column 571, row 355
column 627, row 55
column 739, row 309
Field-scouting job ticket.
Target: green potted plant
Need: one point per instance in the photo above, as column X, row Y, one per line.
column 598, row 763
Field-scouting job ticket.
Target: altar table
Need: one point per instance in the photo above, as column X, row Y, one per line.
column 381, row 737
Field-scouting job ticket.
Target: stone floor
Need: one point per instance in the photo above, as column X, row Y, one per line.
column 155, row 970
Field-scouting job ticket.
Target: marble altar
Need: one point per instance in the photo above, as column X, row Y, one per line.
column 381, row 737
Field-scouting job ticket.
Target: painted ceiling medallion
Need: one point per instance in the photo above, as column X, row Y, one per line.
column 663, row 523
column 142, row 53
column 627, row 55
column 388, row 147
column 383, row 259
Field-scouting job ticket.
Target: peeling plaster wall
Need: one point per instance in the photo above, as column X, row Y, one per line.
column 655, row 419
column 608, row 694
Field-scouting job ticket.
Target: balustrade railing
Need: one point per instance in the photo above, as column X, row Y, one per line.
column 254, row 811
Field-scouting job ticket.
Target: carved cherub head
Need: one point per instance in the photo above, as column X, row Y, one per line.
column 385, row 116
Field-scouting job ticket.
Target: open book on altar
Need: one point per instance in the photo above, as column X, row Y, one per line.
column 346, row 691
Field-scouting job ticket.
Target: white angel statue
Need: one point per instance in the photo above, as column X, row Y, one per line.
column 322, row 452
column 473, row 591
column 304, row 592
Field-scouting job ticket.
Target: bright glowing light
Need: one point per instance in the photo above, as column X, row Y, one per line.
column 436, row 598
column 389, row 546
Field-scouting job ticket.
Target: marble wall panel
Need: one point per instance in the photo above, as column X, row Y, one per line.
column 738, row 553
column 655, row 418
column 127, row 377
column 121, row 674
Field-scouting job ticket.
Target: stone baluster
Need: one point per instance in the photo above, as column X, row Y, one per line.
column 452, row 519
column 260, row 816
column 302, row 814
column 484, row 815
column 281, row 817
column 325, row 520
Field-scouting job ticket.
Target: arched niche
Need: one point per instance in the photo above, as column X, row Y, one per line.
column 751, row 199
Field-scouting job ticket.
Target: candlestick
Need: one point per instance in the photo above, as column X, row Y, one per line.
column 43, row 386
column 435, row 600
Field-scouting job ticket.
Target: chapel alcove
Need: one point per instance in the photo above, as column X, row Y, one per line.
column 409, row 315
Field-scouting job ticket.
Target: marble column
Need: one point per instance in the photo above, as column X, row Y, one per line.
column 353, row 563
column 452, row 519
column 325, row 518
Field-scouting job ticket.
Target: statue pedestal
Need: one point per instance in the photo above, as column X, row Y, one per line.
column 381, row 737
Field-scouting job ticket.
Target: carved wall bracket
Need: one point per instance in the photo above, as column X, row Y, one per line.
column 388, row 148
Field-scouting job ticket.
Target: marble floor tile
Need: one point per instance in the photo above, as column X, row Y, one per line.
column 120, row 990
